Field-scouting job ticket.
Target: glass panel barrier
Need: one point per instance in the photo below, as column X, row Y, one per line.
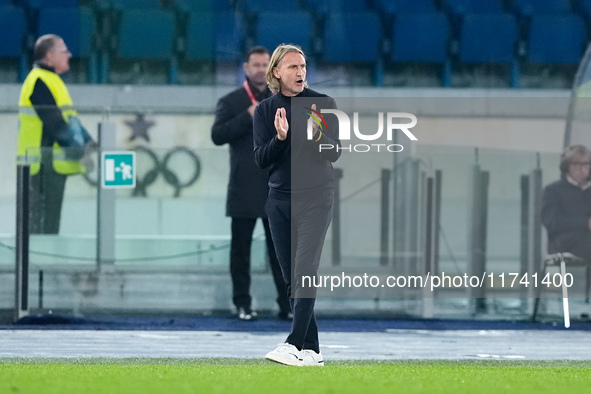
column 171, row 236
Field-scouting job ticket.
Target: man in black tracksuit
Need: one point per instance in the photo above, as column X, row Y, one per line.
column 247, row 188
column 300, row 199
column 566, row 205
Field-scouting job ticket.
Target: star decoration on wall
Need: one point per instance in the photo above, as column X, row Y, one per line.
column 139, row 127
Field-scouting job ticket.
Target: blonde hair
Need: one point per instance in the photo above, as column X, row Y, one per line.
column 276, row 57
column 570, row 154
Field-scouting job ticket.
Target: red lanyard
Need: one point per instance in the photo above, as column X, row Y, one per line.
column 249, row 92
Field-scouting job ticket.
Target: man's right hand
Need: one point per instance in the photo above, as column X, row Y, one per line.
column 252, row 108
column 88, row 163
column 88, row 160
column 281, row 124
column 91, row 146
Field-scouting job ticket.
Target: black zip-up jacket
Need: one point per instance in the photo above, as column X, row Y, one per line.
column 312, row 169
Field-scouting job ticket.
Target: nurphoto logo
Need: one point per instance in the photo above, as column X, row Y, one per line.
column 392, row 124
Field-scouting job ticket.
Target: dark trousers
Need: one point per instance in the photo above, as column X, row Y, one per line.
column 45, row 199
column 298, row 227
column 242, row 230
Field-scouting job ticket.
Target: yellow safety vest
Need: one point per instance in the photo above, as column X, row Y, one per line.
column 31, row 126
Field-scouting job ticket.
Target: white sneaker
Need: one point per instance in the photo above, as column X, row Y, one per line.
column 246, row 314
column 286, row 354
column 310, row 358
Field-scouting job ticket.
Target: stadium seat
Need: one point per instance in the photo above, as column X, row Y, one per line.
column 490, row 39
column 40, row 4
column 464, row 7
column 13, row 24
column 204, row 5
column 422, row 38
column 458, row 9
column 542, row 7
column 200, row 39
column 397, row 6
column 352, row 37
column 135, row 4
column 556, row 39
column 270, row 6
column 585, row 8
column 213, row 36
column 77, row 27
column 294, row 27
column 148, row 34
column 339, row 6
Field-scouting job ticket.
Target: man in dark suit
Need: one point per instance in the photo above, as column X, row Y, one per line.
column 247, row 188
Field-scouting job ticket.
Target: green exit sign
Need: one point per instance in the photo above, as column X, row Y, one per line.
column 118, row 170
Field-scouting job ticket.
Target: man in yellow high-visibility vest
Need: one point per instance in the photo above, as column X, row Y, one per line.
column 51, row 138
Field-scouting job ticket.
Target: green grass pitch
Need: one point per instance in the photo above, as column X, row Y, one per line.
column 259, row 376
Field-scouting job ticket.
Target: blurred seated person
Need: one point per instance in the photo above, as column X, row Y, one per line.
column 566, row 205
